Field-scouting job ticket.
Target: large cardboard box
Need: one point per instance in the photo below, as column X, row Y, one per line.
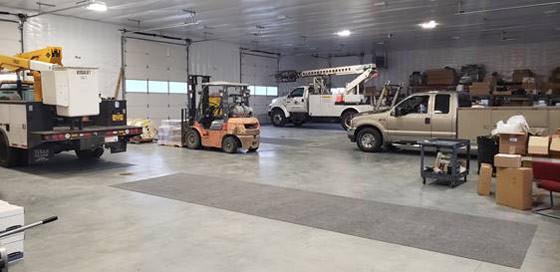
column 484, row 179
column 480, row 88
column 538, row 145
column 446, row 76
column 514, row 188
column 513, row 143
column 518, row 75
column 507, row 160
column 555, row 146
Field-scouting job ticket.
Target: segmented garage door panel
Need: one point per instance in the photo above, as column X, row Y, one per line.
column 155, row 61
column 9, row 40
column 217, row 59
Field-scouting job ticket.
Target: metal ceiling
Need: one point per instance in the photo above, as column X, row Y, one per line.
column 295, row 27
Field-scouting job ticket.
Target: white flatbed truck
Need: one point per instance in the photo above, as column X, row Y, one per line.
column 316, row 102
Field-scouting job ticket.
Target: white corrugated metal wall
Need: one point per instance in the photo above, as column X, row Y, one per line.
column 259, row 70
column 299, row 63
column 539, row 57
column 85, row 44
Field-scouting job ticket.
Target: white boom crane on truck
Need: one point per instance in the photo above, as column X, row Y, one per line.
column 316, row 102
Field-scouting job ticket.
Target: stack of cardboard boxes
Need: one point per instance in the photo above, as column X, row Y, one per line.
column 515, row 182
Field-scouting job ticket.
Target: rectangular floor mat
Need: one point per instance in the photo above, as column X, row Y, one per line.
column 485, row 239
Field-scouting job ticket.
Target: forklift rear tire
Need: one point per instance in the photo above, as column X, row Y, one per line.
column 278, row 118
column 90, row 154
column 8, row 155
column 193, row 139
column 230, row 145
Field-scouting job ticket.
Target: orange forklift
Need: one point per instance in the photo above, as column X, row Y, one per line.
column 220, row 118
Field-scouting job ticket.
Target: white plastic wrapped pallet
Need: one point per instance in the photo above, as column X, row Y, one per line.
column 169, row 133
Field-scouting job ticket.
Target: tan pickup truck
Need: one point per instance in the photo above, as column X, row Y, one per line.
column 439, row 115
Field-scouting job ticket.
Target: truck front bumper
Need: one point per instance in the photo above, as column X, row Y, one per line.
column 352, row 134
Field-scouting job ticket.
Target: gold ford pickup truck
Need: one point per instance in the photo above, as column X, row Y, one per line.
column 439, row 114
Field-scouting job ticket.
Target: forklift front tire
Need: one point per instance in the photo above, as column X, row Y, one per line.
column 193, row 139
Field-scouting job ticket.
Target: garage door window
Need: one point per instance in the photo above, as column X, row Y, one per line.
column 264, row 90
column 158, row 87
column 178, row 87
column 137, row 86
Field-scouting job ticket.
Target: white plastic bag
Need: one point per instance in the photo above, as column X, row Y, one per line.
column 515, row 124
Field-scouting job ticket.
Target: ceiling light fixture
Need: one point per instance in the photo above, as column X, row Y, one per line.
column 97, row 6
column 429, row 25
column 344, row 33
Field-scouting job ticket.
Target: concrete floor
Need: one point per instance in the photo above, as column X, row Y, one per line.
column 106, row 229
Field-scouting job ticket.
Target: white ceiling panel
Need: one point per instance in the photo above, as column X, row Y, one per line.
column 307, row 26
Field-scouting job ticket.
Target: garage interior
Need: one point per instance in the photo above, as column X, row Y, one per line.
column 302, row 192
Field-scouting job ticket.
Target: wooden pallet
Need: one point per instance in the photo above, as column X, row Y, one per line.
column 141, row 141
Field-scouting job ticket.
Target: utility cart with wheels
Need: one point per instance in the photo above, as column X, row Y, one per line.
column 452, row 171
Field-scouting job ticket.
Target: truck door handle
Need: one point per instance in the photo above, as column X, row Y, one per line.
column 427, row 121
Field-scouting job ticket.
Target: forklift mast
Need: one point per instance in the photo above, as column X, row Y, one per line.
column 194, row 82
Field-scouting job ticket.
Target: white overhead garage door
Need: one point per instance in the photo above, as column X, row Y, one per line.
column 9, row 44
column 259, row 71
column 9, row 40
column 156, row 79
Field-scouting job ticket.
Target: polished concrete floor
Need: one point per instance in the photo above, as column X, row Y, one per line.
column 107, row 229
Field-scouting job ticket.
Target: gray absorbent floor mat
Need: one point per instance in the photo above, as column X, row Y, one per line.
column 485, row 239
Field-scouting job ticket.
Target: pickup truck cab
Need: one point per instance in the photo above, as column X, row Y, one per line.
column 417, row 117
column 304, row 104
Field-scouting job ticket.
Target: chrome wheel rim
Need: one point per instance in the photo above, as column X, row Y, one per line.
column 367, row 140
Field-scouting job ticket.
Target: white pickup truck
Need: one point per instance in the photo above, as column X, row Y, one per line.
column 439, row 115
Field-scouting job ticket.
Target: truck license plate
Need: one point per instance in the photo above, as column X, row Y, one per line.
column 111, row 139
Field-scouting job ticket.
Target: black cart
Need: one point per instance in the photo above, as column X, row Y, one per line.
column 453, row 145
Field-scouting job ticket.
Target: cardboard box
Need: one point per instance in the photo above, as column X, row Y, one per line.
column 518, row 75
column 446, row 76
column 555, row 146
column 484, row 179
column 514, row 188
column 507, row 160
column 538, row 145
column 513, row 143
column 480, row 88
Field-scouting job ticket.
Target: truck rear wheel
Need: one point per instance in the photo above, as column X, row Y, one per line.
column 230, row 145
column 192, row 139
column 346, row 118
column 90, row 153
column 278, row 118
column 8, row 155
column 369, row 140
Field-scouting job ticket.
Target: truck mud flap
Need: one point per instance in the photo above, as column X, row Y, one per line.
column 38, row 155
column 117, row 147
column 91, row 143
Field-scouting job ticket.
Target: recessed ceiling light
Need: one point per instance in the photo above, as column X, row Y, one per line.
column 344, row 33
column 429, row 25
column 456, row 37
column 97, row 6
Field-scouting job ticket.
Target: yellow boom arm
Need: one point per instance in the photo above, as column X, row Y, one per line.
column 34, row 61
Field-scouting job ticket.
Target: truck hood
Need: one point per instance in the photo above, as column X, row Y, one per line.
column 370, row 118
